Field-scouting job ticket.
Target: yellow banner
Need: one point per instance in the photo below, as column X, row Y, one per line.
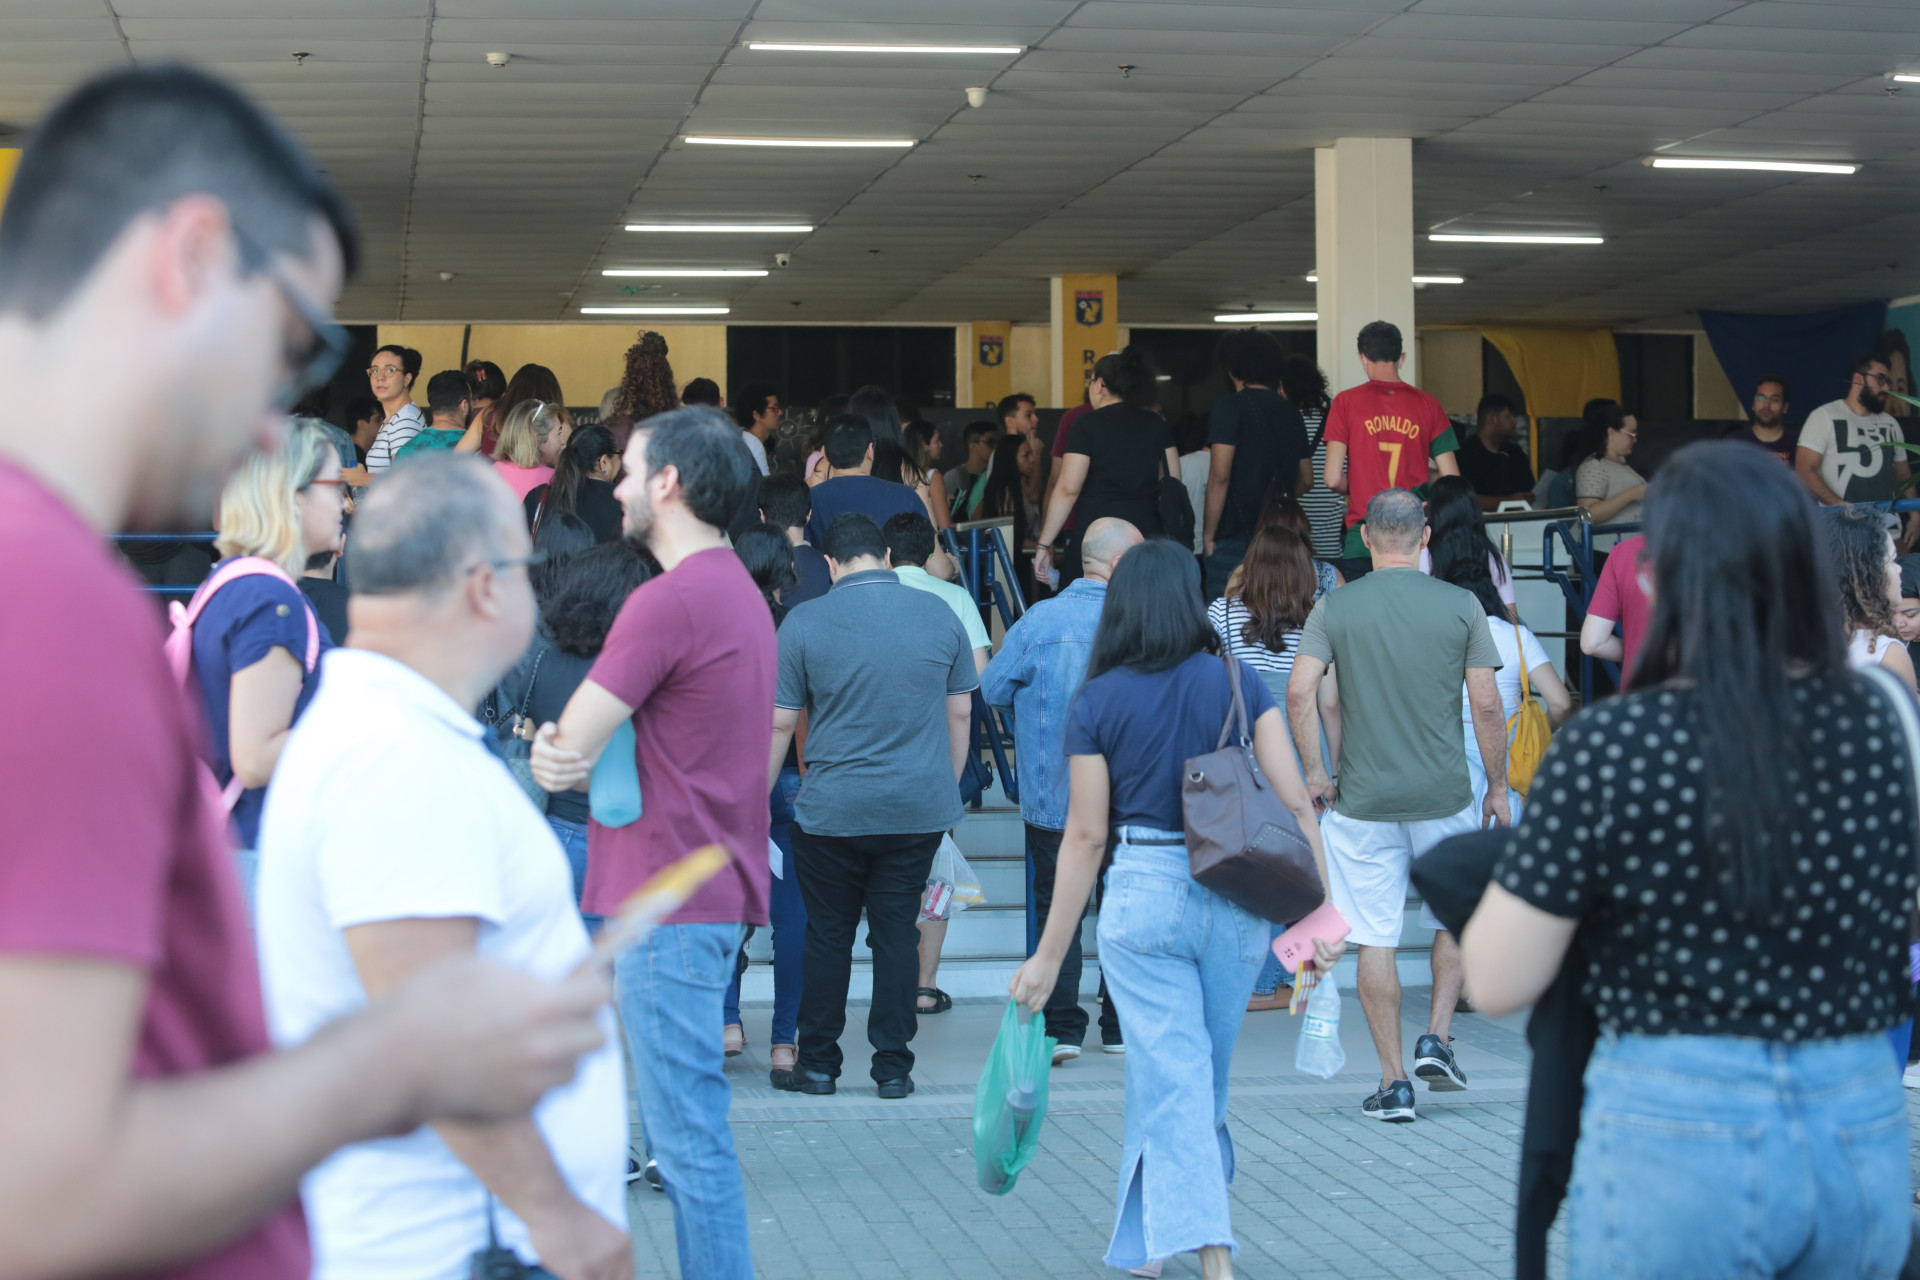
column 992, row 357
column 9, row 161
column 1086, row 326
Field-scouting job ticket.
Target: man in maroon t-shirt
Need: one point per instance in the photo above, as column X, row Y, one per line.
column 1618, row 598
column 690, row 664
column 168, row 248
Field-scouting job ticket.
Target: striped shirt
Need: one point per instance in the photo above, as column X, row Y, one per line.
column 396, row 431
column 1229, row 618
column 1326, row 510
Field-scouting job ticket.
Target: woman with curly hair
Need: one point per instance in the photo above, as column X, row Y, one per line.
column 646, row 388
column 1868, row 569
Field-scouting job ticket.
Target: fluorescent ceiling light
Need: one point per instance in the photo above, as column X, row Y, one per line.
column 1769, row 166
column 1267, row 317
column 1416, row 279
column 709, row 140
column 725, row 228
column 680, row 271
column 1504, row 238
column 654, row 311
column 1907, row 77
column 796, row 46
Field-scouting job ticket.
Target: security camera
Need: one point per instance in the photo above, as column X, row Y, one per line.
column 782, row 259
column 498, row 59
column 976, row 97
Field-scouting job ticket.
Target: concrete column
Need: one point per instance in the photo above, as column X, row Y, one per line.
column 1086, row 325
column 1363, row 237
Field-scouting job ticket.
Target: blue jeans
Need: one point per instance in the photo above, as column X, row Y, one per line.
column 1710, row 1156
column 670, row 988
column 573, row 841
column 789, row 916
column 1180, row 961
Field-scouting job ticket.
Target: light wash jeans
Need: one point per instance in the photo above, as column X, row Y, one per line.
column 670, row 988
column 1710, row 1156
column 1180, row 962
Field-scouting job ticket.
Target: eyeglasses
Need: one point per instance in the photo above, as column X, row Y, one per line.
column 384, row 370
column 1760, row 399
column 1877, row 379
column 528, row 561
column 309, row 364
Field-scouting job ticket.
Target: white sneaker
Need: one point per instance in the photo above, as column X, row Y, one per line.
column 1911, row 1077
column 1115, row 1047
column 1065, row 1053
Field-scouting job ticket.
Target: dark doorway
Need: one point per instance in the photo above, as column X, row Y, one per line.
column 808, row 363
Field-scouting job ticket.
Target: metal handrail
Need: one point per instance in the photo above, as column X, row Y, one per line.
column 162, row 589
column 978, row 561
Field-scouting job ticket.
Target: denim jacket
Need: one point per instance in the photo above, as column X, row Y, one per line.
column 1041, row 665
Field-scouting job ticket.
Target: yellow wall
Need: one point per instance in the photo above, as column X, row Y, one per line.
column 1081, row 333
column 588, row 359
column 1449, row 361
column 1031, row 360
column 1713, row 394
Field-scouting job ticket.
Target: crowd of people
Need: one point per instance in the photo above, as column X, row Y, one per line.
column 299, row 970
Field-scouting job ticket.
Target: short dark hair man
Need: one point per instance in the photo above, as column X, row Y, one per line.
column 1490, row 461
column 168, row 246
column 364, row 416
column 1767, row 426
column 1258, row 446
column 886, row 677
column 1404, row 643
column 689, row 664
column 1018, row 417
column 979, row 439
column 1383, row 434
column 449, row 398
column 850, row 485
column 702, row 391
column 756, row 407
column 1845, row 451
column 785, row 503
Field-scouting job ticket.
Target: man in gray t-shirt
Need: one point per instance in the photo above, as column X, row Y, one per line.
column 886, row 677
column 1402, row 643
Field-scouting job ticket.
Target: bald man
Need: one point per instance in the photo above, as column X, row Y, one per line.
column 1040, row 666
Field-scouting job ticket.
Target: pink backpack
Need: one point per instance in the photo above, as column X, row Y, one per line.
column 179, row 647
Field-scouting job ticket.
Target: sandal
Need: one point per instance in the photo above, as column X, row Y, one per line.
column 734, row 1040
column 1150, row 1270
column 941, row 1000
column 783, row 1057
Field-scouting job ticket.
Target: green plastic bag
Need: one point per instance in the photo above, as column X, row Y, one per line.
column 1011, row 1100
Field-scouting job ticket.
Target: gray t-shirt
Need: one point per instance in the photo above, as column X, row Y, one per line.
column 872, row 663
column 1401, row 643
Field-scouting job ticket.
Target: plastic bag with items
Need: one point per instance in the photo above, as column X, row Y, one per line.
column 951, row 884
column 1011, row 1100
column 1319, row 1052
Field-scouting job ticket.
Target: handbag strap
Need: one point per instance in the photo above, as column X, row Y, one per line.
column 533, row 677
column 1237, row 713
column 1520, row 647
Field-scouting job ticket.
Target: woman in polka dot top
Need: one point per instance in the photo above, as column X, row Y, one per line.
column 1730, row 854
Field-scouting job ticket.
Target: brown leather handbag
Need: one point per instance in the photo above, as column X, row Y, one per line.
column 1244, row 843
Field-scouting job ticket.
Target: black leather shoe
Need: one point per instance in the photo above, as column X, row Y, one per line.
column 899, row 1087
column 801, row 1080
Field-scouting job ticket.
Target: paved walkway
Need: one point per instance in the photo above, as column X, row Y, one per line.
column 850, row 1186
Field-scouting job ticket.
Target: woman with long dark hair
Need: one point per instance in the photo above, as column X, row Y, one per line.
column 768, row 559
column 877, row 406
column 923, row 460
column 1012, row 489
column 582, row 485
column 1305, row 388
column 1734, row 843
column 1867, row 569
column 1457, row 539
column 529, row 382
column 1114, row 461
column 1179, row 960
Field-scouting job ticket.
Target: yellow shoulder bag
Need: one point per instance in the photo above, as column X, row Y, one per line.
column 1528, row 733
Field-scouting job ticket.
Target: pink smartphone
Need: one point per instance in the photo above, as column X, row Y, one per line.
column 1295, row 946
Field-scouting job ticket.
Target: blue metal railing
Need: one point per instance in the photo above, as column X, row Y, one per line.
column 163, row 589
column 987, row 572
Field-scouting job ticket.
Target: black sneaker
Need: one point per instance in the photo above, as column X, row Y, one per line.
column 1433, row 1062
column 1395, row 1103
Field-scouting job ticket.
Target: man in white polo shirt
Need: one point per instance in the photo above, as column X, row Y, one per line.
column 392, row 836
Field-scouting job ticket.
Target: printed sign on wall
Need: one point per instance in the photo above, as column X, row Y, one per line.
column 1086, row 326
column 992, row 361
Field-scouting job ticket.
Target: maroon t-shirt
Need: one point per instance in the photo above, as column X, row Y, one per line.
column 110, row 851
column 692, row 651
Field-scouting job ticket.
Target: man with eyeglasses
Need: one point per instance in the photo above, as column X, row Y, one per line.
column 1768, row 427
column 168, row 247
column 1846, row 451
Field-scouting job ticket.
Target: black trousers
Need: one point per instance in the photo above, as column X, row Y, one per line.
column 1066, row 1019
column 840, row 875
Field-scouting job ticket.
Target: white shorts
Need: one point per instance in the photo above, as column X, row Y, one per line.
column 1367, row 866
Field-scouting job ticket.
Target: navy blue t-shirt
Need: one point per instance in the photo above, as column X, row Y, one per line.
column 246, row 620
column 880, row 499
column 1269, row 439
column 814, row 576
column 1149, row 725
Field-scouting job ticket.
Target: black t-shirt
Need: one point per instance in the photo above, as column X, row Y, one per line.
column 811, row 567
column 1614, row 836
column 555, row 676
column 1494, row 474
column 1126, row 452
column 329, row 600
column 1783, row 448
column 596, row 506
column 1269, row 439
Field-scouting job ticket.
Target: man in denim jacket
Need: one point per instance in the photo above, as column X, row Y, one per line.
column 1041, row 664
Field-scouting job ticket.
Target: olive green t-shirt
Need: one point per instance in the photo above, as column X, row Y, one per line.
column 1401, row 643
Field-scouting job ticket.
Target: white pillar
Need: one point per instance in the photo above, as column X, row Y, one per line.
column 1363, row 237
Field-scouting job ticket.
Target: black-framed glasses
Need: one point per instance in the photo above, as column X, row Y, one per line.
column 308, row 364
column 529, row 560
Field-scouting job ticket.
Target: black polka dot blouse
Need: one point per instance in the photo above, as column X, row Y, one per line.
column 1613, row 836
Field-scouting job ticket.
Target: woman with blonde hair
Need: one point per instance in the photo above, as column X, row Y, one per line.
column 256, row 641
column 530, row 443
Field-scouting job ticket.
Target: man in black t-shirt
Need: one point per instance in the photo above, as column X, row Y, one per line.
column 1492, row 463
column 1259, row 449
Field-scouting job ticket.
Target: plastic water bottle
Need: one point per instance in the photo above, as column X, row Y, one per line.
column 613, row 792
column 1016, row 1121
column 1319, row 1052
